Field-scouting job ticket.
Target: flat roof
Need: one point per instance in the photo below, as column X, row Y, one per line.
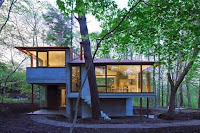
column 113, row 61
column 27, row 49
column 42, row 48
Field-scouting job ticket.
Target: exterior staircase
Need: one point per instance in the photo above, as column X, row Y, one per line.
column 103, row 115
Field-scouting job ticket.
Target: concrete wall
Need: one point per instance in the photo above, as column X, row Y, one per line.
column 86, row 111
column 129, row 107
column 113, row 107
column 85, row 90
column 46, row 75
column 43, row 97
column 69, row 103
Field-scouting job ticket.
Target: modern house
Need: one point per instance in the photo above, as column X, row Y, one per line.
column 60, row 73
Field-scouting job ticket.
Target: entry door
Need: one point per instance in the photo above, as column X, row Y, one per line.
column 53, row 97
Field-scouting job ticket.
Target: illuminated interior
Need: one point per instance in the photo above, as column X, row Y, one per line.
column 124, row 78
column 118, row 78
column 48, row 58
column 42, row 59
column 75, row 80
column 56, row 58
column 63, row 97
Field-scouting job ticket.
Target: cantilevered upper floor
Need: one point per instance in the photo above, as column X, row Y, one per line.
column 61, row 65
column 48, row 64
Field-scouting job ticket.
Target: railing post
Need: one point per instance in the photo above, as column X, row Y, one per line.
column 31, row 60
column 81, row 53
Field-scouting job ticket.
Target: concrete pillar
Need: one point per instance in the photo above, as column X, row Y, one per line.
column 43, row 97
column 129, row 107
column 68, row 108
column 86, row 110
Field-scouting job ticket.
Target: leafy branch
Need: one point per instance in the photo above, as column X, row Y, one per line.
column 8, row 17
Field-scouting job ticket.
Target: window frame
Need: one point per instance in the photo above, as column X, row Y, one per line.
column 71, row 76
column 105, row 77
column 48, row 58
column 106, row 84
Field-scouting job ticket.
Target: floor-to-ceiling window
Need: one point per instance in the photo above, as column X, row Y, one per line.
column 100, row 72
column 124, row 78
column 42, row 59
column 75, row 78
column 56, row 58
column 49, row 58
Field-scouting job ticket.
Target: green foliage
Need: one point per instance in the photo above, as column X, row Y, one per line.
column 16, row 82
column 163, row 29
column 59, row 32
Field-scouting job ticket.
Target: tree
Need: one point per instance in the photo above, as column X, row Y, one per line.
column 59, row 32
column 199, row 95
column 165, row 28
column 7, row 77
column 99, row 10
column 82, row 8
column 9, row 11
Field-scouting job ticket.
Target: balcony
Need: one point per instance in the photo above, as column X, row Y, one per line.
column 46, row 75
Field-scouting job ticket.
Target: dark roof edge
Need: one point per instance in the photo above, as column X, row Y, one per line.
column 117, row 63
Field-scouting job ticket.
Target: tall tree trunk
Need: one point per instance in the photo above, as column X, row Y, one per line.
column 88, row 60
column 1, row 2
column 199, row 95
column 167, row 95
column 181, row 95
column 158, row 95
column 162, row 95
column 154, row 82
column 188, row 94
column 9, row 11
column 171, row 110
column 174, row 86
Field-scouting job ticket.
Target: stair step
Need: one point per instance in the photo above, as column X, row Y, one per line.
column 103, row 115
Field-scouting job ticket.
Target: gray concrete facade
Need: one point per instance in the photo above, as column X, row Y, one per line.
column 113, row 104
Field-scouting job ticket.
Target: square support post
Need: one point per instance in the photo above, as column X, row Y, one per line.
column 141, row 91
column 140, row 108
column 147, row 107
column 32, row 99
column 31, row 60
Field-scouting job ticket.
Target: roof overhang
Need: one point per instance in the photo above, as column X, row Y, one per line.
column 27, row 49
column 112, row 62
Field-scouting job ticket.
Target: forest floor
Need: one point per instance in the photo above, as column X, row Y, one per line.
column 13, row 119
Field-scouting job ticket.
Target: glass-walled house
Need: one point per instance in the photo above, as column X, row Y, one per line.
column 117, row 78
column 60, row 72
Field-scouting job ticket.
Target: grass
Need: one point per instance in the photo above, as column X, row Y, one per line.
column 10, row 100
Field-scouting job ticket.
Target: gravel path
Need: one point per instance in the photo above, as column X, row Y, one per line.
column 44, row 120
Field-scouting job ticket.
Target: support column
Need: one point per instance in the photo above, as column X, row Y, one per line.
column 68, row 108
column 32, row 99
column 129, row 107
column 31, row 60
column 140, row 108
column 148, row 90
column 147, row 107
column 141, row 91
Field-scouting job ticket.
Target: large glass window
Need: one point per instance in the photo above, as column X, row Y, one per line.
column 75, row 80
column 56, row 58
column 100, row 72
column 122, row 78
column 42, row 59
column 48, row 58
column 147, row 78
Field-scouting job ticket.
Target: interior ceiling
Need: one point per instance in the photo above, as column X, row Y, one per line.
column 125, row 69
